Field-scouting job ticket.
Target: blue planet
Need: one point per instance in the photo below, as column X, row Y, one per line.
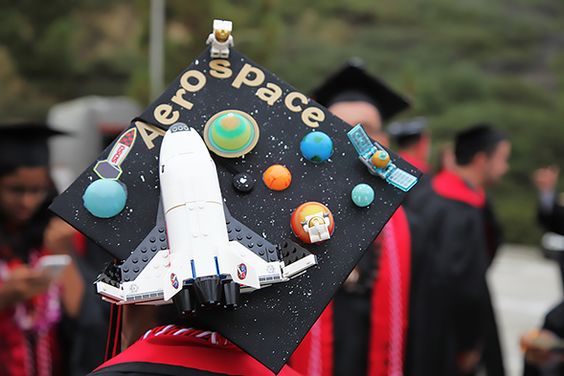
column 362, row 195
column 316, row 147
column 105, row 198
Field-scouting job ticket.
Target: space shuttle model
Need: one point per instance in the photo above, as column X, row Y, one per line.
column 210, row 257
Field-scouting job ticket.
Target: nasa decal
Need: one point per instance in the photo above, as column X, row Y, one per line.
column 242, row 271
column 174, row 280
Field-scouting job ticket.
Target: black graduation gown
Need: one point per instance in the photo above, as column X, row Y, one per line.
column 451, row 308
column 85, row 335
column 553, row 220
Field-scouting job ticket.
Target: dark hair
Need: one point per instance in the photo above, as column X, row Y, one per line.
column 479, row 138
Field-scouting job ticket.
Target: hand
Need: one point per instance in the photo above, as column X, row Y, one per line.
column 467, row 361
column 545, row 179
column 58, row 237
column 23, row 283
column 537, row 346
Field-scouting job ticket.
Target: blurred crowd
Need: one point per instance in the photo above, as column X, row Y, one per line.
column 418, row 303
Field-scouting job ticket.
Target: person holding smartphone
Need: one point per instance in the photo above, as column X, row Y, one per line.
column 29, row 298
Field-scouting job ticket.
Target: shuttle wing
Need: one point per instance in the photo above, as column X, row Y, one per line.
column 295, row 258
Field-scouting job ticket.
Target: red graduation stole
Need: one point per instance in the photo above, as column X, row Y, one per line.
column 389, row 318
column 390, row 300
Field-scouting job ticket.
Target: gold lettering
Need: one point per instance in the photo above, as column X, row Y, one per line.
column 269, row 96
column 165, row 115
column 219, row 68
column 312, row 116
column 242, row 77
column 289, row 101
column 179, row 100
column 192, row 88
column 149, row 133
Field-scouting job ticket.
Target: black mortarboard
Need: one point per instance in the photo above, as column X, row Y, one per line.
column 478, row 138
column 412, row 127
column 402, row 132
column 270, row 322
column 353, row 83
column 24, row 144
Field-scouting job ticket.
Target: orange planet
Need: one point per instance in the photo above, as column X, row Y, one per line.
column 277, row 177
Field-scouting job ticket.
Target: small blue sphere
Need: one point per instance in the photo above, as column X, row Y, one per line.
column 316, row 147
column 105, row 198
column 362, row 195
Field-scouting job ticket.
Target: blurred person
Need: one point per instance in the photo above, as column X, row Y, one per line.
column 544, row 348
column 29, row 298
column 413, row 141
column 551, row 205
column 447, row 161
column 85, row 327
column 454, row 330
column 357, row 334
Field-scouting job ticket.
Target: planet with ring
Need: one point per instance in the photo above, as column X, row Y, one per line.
column 231, row 133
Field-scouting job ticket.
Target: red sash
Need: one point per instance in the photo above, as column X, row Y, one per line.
column 389, row 318
column 449, row 185
column 390, row 300
column 314, row 355
column 194, row 349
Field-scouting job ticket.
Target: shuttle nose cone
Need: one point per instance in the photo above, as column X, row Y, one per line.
column 181, row 139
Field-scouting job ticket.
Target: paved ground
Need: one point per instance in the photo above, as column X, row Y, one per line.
column 524, row 286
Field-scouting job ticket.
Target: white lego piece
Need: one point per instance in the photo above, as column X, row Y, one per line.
column 317, row 227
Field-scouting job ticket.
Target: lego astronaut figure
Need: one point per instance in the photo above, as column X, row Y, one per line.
column 220, row 39
column 317, row 227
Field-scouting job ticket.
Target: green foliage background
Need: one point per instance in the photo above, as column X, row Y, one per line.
column 460, row 61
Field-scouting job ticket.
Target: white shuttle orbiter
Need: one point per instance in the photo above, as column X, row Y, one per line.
column 201, row 266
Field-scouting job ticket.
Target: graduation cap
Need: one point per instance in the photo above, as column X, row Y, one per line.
column 404, row 131
column 237, row 107
column 24, row 144
column 353, row 83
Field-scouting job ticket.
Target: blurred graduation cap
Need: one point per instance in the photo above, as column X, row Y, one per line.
column 269, row 323
column 402, row 131
column 24, row 144
column 353, row 83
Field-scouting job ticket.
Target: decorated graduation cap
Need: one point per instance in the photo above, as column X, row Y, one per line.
column 24, row 144
column 232, row 195
column 353, row 83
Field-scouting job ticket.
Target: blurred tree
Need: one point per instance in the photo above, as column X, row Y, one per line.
column 460, row 62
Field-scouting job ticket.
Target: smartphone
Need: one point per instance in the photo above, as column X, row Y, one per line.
column 53, row 264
